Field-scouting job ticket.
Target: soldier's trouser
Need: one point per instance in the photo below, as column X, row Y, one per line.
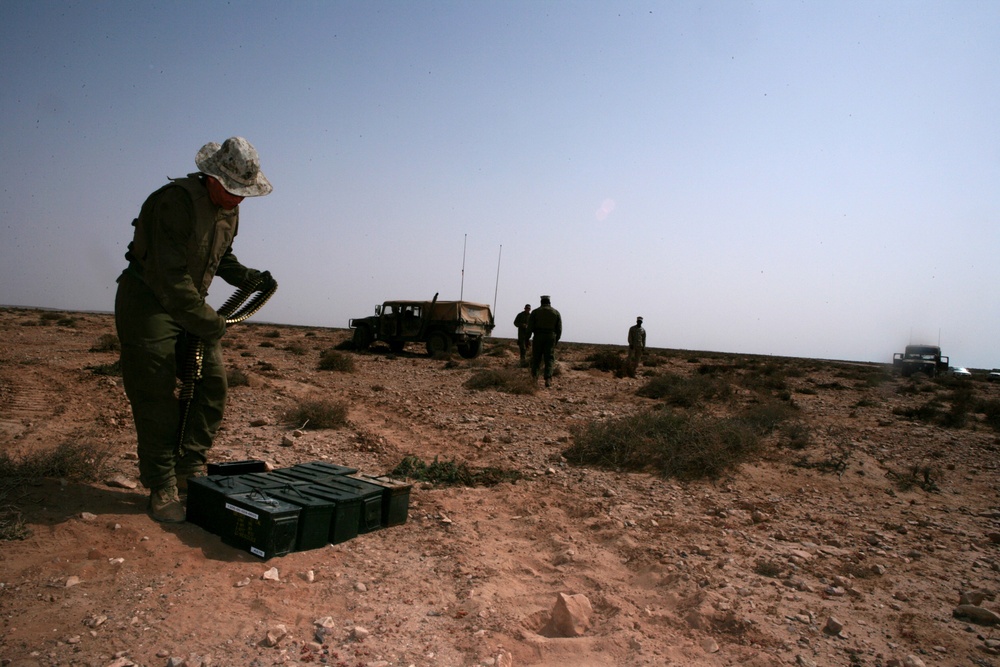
column 153, row 352
column 523, row 343
column 543, row 351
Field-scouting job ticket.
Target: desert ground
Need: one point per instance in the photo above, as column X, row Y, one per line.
column 864, row 531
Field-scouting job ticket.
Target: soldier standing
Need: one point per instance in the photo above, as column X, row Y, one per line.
column 523, row 336
column 636, row 342
column 545, row 328
column 636, row 345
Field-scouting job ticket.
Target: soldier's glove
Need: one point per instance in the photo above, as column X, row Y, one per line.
column 266, row 282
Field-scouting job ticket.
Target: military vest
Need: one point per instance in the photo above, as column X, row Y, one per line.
column 212, row 235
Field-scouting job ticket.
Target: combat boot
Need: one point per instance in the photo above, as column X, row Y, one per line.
column 548, row 382
column 165, row 505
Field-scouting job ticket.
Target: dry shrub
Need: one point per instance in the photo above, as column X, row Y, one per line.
column 83, row 462
column 113, row 369
column 452, row 473
column 609, row 361
column 497, row 349
column 296, row 348
column 507, row 380
column 318, row 413
column 334, row 360
column 673, row 444
column 685, row 392
column 235, row 377
column 106, row 343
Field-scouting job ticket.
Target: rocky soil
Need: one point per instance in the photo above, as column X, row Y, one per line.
column 865, row 535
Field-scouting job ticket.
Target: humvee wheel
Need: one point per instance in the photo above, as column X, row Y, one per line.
column 471, row 349
column 362, row 338
column 396, row 346
column 438, row 343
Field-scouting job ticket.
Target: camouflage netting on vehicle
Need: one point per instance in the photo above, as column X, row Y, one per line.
column 465, row 311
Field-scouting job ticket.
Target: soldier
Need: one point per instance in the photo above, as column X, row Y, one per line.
column 636, row 345
column 183, row 238
column 545, row 328
column 523, row 336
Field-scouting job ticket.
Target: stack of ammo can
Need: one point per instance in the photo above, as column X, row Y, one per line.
column 306, row 506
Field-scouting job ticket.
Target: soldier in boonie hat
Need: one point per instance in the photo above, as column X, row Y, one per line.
column 236, row 165
column 182, row 240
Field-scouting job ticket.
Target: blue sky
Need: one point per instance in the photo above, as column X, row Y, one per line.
column 814, row 179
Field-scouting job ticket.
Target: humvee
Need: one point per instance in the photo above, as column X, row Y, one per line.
column 441, row 325
column 925, row 359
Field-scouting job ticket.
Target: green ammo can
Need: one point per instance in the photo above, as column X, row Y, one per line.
column 315, row 517
column 260, row 524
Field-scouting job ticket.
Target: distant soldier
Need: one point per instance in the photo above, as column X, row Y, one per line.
column 545, row 328
column 636, row 343
column 523, row 336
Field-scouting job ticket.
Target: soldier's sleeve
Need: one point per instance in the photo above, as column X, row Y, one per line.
column 165, row 269
column 558, row 326
column 232, row 271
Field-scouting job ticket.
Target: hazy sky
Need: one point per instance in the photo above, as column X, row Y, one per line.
column 817, row 179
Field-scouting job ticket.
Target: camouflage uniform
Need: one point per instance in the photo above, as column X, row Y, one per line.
column 545, row 329
column 182, row 240
column 636, row 342
column 523, row 335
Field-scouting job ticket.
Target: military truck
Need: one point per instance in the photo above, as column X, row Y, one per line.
column 442, row 325
column 924, row 359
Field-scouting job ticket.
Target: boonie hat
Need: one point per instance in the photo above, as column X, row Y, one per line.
column 638, row 319
column 546, row 299
column 237, row 166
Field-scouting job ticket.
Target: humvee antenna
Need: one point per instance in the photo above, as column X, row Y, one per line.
column 497, row 285
column 461, row 291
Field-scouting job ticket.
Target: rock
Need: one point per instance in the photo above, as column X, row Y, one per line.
column 119, row 482
column 976, row 614
column 324, row 627
column 260, row 422
column 87, row 516
column 360, row 587
column 271, row 574
column 275, row 635
column 505, row 659
column 242, row 582
column 913, row 661
column 571, row 615
column 709, row 645
column 833, row 626
column 803, row 661
column 973, row 597
column 359, row 633
column 96, row 621
column 121, row 662
column 72, row 581
column 287, row 441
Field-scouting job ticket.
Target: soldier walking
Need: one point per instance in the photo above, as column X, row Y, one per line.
column 545, row 330
column 523, row 336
